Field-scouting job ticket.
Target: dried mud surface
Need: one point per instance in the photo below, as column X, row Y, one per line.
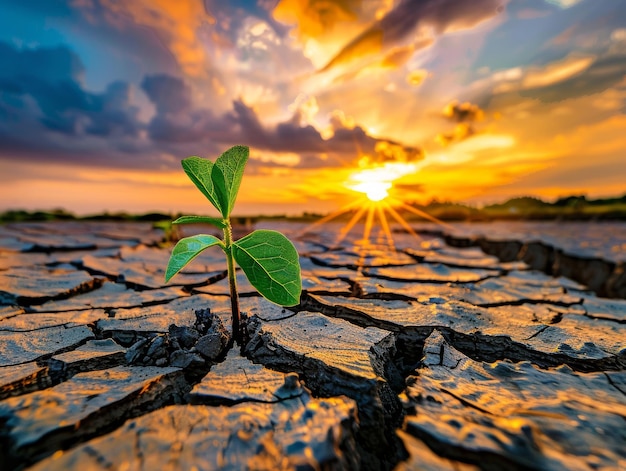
column 444, row 352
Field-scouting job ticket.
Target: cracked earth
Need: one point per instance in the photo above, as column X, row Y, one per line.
column 451, row 351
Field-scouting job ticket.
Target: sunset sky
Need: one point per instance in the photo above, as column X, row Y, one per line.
column 463, row 100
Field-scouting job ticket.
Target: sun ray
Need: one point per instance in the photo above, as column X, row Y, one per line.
column 425, row 215
column 368, row 225
column 330, row 217
column 385, row 225
column 348, row 227
column 376, row 182
column 401, row 221
column 365, row 242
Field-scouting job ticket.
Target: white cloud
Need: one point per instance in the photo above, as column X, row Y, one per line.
column 619, row 34
column 556, row 71
column 508, row 74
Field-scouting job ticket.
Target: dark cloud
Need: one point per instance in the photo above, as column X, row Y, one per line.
column 401, row 24
column 47, row 115
column 197, row 125
column 465, row 115
column 51, row 78
column 463, row 112
column 249, row 124
column 347, row 143
column 243, row 126
column 291, row 136
column 390, row 151
column 57, row 63
column 113, row 113
column 176, row 120
column 169, row 94
column 47, row 112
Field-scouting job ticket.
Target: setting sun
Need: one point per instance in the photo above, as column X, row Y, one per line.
column 377, row 207
column 377, row 180
column 374, row 190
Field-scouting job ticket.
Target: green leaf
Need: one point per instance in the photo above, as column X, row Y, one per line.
column 186, row 250
column 270, row 261
column 199, row 170
column 217, row 222
column 221, row 191
column 232, row 163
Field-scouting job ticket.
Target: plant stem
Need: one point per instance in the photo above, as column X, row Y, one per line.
column 232, row 282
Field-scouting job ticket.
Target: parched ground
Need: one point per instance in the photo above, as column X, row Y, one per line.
column 449, row 351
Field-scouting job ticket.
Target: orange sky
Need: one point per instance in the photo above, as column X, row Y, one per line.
column 467, row 103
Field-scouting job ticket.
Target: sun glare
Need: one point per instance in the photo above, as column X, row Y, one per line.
column 375, row 191
column 376, row 183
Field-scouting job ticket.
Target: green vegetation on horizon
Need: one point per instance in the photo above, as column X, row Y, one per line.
column 576, row 207
column 531, row 208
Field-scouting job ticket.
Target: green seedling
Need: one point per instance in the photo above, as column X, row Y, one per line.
column 170, row 231
column 268, row 259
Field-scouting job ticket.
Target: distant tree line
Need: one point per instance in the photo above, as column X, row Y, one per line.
column 531, row 208
column 523, row 207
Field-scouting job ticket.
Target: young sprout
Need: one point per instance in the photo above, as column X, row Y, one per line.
column 268, row 259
